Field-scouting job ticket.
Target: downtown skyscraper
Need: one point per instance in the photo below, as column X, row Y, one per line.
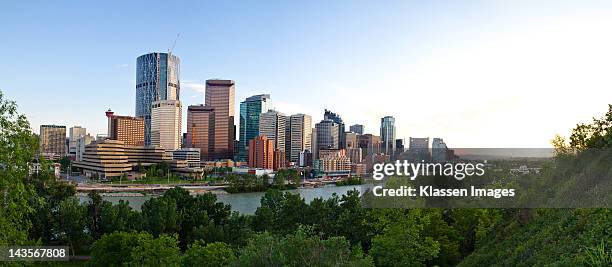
column 326, row 133
column 299, row 135
column 52, row 141
column 157, row 78
column 387, row 135
column 272, row 124
column 220, row 96
column 200, row 130
column 328, row 115
column 250, row 112
column 166, row 124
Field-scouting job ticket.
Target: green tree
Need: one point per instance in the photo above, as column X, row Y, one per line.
column 65, row 163
column 215, row 254
column 161, row 251
column 280, row 212
column 70, row 223
column 119, row 217
column 301, row 248
column 160, row 215
column 115, row 249
column 403, row 243
column 18, row 147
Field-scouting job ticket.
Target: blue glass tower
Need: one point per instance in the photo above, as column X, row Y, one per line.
column 387, row 134
column 157, row 78
column 250, row 111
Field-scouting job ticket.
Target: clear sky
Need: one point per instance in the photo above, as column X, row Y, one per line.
column 477, row 73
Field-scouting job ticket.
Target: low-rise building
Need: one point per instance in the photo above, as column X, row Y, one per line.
column 190, row 155
column 104, row 160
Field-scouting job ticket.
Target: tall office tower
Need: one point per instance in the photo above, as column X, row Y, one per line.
column 439, row 150
column 201, row 130
column 399, row 147
column 328, row 115
column 261, row 153
column 351, row 139
column 387, row 135
column 128, row 129
column 355, row 154
column 327, row 136
column 220, row 96
column 166, row 124
column 287, row 151
column 356, row 128
column 53, row 141
column 369, row 144
column 250, row 110
column 419, row 149
column 300, row 135
column 314, row 146
column 75, row 133
column 157, row 78
column 272, row 124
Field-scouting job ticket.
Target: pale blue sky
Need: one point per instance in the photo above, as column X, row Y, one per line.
column 477, row 73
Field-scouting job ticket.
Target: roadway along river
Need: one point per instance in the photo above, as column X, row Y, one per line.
column 245, row 203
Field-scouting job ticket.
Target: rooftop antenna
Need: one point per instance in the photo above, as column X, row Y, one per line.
column 173, row 44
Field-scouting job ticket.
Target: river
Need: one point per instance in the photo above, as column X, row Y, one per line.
column 245, row 203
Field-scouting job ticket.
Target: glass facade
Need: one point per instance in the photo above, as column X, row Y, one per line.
column 157, row 78
column 328, row 115
column 250, row 111
column 387, row 134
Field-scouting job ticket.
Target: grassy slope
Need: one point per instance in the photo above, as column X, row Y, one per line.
column 553, row 237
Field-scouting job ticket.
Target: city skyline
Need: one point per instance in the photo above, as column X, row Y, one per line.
column 489, row 67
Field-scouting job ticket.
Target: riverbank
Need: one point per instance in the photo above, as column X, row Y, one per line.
column 245, row 203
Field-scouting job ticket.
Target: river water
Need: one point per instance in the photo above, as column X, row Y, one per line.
column 245, row 203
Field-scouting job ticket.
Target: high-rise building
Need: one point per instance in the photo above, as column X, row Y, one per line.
column 166, row 124
column 369, row 144
column 399, row 147
column 328, row 115
column 314, row 142
column 387, row 135
column 157, row 78
column 355, row 154
column 75, row 133
column 272, row 124
column 220, row 96
column 351, row 139
column 327, row 136
column 250, row 110
column 356, row 128
column 300, row 135
column 439, row 150
column 201, row 130
column 261, row 153
column 130, row 130
column 52, row 141
column 419, row 149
